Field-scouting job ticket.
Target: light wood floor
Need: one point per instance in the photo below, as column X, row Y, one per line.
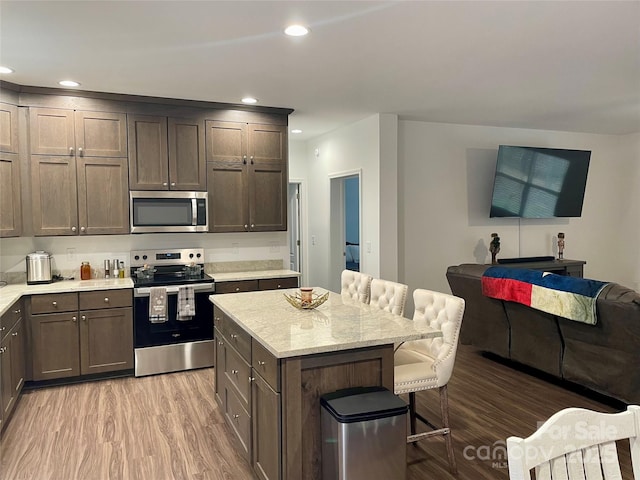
column 169, row 427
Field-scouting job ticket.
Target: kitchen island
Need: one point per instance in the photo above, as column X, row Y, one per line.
column 273, row 362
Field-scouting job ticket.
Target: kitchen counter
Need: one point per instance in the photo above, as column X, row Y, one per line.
column 253, row 275
column 338, row 324
column 11, row 293
column 276, row 361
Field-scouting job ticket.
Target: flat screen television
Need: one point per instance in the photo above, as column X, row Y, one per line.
column 532, row 182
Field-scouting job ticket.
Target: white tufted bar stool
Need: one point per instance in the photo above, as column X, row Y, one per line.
column 428, row 364
column 356, row 285
column 388, row 296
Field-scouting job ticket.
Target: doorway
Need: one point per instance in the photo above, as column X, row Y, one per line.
column 345, row 225
column 295, row 257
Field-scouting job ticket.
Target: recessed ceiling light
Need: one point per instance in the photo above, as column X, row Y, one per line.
column 6, row 70
column 69, row 83
column 249, row 100
column 296, row 130
column 296, row 30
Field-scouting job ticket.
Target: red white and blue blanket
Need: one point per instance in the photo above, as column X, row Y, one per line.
column 568, row 297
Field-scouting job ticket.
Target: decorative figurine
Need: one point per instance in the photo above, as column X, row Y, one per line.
column 560, row 245
column 494, row 247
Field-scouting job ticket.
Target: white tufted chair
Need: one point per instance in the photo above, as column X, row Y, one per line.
column 356, row 285
column 427, row 364
column 388, row 296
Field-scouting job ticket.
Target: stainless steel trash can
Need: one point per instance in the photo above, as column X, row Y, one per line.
column 364, row 435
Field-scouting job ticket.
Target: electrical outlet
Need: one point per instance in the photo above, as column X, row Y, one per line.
column 274, row 247
column 313, row 239
column 71, row 254
column 235, row 248
column 368, row 247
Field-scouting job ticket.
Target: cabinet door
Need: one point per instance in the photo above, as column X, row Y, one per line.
column 148, row 160
column 18, row 360
column 51, row 131
column 54, row 200
column 103, row 196
column 228, row 196
column 106, row 340
column 219, row 369
column 267, row 197
column 8, row 128
column 187, row 163
column 266, row 446
column 55, row 346
column 226, row 141
column 268, row 177
column 10, row 203
column 7, row 397
column 101, row 134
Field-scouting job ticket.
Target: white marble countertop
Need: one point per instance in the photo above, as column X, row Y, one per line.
column 253, row 275
column 11, row 293
column 338, row 324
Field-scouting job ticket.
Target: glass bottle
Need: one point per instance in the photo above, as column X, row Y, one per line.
column 85, row 271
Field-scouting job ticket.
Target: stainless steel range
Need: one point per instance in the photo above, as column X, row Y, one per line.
column 173, row 317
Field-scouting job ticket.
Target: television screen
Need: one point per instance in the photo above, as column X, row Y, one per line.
column 533, row 182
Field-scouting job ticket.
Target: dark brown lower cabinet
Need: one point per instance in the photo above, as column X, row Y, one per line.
column 265, row 412
column 12, row 369
column 98, row 338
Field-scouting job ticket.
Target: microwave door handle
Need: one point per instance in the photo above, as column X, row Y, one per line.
column 194, row 211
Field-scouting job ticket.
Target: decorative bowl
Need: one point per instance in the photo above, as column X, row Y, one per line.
column 296, row 300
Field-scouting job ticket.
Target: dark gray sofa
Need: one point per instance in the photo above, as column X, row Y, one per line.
column 604, row 357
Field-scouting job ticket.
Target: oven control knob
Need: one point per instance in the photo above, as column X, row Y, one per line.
column 191, row 255
column 198, row 255
column 137, row 257
column 144, row 257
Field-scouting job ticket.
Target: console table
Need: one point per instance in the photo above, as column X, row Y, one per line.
column 571, row 268
column 273, row 362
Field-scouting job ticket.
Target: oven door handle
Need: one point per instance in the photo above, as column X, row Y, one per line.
column 172, row 290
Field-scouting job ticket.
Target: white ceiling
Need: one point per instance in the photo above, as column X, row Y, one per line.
column 572, row 65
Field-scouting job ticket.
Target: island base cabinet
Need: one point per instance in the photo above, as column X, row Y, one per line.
column 106, row 340
column 266, row 416
column 55, row 346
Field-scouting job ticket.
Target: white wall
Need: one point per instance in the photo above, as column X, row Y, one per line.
column 445, row 181
column 69, row 252
column 352, row 148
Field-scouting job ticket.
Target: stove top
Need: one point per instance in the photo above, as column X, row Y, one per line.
column 168, row 267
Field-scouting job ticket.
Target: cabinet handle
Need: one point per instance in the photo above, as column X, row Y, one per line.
column 251, row 379
column 2, row 329
column 70, row 150
column 252, row 225
column 220, row 343
column 14, row 334
column 173, row 184
column 106, row 299
column 251, row 159
column 279, row 286
column 55, row 304
column 246, row 227
column 234, row 336
column 74, row 319
column 80, row 151
column 73, row 229
column 237, row 289
column 236, row 417
column 83, row 229
column 17, row 312
column 3, row 349
column 244, row 159
column 84, row 318
column 261, row 363
column 234, row 372
column 164, row 184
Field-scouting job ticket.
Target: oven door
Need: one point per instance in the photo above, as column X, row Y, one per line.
column 199, row 327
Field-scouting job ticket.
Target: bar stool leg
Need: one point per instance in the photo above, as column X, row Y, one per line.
column 444, row 409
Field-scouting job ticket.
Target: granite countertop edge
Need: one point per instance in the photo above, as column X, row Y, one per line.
column 253, row 275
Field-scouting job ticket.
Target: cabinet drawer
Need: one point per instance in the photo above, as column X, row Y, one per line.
column 239, row 420
column 236, row 287
column 54, row 302
column 265, row 364
column 10, row 317
column 238, row 372
column 237, row 337
column 105, row 299
column 276, row 283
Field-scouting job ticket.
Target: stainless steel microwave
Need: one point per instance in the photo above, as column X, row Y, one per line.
column 168, row 212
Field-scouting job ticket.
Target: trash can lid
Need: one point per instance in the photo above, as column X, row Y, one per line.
column 362, row 403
